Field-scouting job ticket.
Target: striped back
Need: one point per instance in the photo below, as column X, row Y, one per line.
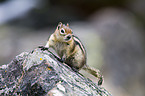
column 78, row 42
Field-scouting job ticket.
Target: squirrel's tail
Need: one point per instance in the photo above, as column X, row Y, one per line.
column 94, row 72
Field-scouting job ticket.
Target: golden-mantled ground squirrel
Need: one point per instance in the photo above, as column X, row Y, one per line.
column 70, row 50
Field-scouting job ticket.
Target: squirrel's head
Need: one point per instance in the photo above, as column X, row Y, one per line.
column 63, row 32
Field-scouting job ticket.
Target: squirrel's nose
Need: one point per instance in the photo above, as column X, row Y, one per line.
column 68, row 37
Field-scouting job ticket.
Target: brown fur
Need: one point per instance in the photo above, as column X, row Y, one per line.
column 70, row 49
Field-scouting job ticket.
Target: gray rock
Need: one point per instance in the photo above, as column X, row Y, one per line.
column 39, row 73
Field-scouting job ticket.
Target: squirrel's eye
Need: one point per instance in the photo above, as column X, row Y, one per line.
column 62, row 31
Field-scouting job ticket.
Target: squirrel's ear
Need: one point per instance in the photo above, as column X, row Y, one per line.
column 67, row 25
column 60, row 23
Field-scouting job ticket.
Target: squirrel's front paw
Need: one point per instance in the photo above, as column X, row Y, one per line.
column 43, row 48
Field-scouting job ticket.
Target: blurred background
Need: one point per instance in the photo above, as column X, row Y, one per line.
column 112, row 32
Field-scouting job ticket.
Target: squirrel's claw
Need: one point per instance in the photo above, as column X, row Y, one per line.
column 43, row 48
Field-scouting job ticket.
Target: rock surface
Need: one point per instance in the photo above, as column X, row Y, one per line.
column 39, row 73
